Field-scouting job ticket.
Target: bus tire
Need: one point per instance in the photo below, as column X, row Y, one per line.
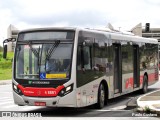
column 101, row 97
column 145, row 85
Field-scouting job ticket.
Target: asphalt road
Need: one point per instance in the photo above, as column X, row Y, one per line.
column 116, row 107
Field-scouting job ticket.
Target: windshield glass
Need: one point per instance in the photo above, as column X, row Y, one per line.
column 43, row 61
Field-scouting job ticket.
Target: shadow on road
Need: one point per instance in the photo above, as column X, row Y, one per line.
column 74, row 112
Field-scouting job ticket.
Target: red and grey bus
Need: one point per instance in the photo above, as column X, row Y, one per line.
column 74, row 67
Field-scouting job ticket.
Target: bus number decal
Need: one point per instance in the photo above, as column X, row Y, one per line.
column 50, row 92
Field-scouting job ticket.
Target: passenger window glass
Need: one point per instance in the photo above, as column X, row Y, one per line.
column 79, row 62
column 101, row 57
column 87, row 57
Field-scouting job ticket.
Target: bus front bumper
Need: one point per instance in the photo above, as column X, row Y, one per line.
column 68, row 100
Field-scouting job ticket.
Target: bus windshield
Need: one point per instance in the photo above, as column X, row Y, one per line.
column 43, row 61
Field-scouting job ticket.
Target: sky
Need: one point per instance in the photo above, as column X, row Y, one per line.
column 123, row 14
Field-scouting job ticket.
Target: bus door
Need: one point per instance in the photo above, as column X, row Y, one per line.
column 117, row 68
column 136, row 66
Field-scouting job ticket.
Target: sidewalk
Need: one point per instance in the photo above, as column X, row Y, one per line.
column 150, row 100
column 5, row 82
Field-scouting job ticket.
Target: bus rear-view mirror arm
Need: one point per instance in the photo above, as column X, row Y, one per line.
column 5, row 46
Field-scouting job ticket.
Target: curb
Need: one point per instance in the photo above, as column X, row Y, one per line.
column 5, row 82
column 148, row 104
column 132, row 103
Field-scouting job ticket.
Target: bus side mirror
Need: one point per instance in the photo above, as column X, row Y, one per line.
column 5, row 51
column 5, row 46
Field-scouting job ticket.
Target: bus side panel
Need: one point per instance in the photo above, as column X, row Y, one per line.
column 151, row 62
column 93, row 65
column 127, row 67
column 88, row 93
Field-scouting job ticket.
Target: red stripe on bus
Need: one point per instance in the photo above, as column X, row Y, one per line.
column 40, row 92
column 129, row 81
column 152, row 77
column 141, row 79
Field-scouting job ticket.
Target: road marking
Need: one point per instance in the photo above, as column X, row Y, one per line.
column 2, row 98
column 6, row 100
column 110, row 110
column 119, row 107
column 10, row 106
column 103, row 110
column 27, row 108
column 6, row 103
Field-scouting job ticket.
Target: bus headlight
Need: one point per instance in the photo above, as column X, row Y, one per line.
column 16, row 89
column 66, row 90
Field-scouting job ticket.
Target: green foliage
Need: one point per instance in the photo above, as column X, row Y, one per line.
column 147, row 109
column 1, row 48
column 6, row 66
column 0, row 57
column 6, row 74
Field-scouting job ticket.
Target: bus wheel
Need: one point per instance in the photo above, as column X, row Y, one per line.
column 101, row 97
column 145, row 84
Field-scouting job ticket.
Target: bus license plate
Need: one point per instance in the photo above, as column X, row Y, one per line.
column 40, row 103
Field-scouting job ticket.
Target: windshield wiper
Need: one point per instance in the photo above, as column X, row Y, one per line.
column 35, row 52
column 38, row 53
column 52, row 49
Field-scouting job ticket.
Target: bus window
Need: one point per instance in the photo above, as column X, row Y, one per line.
column 101, row 62
column 79, row 61
column 86, row 58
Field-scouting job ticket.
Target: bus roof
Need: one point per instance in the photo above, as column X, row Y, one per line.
column 108, row 33
column 49, row 28
column 120, row 36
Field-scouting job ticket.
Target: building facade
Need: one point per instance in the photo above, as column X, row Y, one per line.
column 152, row 33
column 12, row 32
